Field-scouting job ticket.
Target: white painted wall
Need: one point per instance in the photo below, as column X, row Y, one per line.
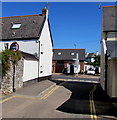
column 30, row 46
column 1, row 46
column 86, row 67
column 102, row 76
column 112, row 78
column 45, row 63
column 112, row 69
column 92, row 59
column 30, row 70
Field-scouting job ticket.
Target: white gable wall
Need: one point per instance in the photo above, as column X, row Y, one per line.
column 30, row 46
column 45, row 63
column 30, row 70
column 102, row 76
column 112, row 71
column 30, row 67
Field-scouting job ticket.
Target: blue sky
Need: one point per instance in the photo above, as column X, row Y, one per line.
column 71, row 23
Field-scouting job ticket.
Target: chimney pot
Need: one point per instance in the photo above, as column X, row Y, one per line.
column 44, row 11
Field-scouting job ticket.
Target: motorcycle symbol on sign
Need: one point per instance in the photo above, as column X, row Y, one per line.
column 14, row 46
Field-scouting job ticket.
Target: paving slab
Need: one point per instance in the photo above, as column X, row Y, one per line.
column 35, row 89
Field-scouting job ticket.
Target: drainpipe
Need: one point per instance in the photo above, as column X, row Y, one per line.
column 106, row 65
column 38, row 61
column 14, row 76
column 106, row 70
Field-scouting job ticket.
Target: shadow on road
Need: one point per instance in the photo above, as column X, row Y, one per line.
column 79, row 101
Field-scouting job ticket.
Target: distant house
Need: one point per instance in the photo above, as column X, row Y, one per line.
column 61, row 57
column 32, row 33
column 109, row 51
column 90, row 57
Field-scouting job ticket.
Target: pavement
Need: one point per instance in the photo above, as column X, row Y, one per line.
column 62, row 97
column 42, row 87
column 36, row 89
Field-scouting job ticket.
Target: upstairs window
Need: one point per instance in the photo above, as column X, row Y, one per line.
column 59, row 53
column 6, row 45
column 16, row 26
column 72, row 53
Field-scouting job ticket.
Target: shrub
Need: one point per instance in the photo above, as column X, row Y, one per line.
column 8, row 56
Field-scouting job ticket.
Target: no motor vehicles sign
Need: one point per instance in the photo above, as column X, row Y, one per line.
column 14, row 46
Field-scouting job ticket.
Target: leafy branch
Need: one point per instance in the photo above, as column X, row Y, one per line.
column 8, row 56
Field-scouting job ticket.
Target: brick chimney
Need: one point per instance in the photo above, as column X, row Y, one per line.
column 44, row 11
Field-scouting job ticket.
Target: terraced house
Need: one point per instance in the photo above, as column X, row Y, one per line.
column 62, row 57
column 109, row 51
column 33, row 36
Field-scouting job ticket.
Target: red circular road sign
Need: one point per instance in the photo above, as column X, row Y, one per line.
column 14, row 46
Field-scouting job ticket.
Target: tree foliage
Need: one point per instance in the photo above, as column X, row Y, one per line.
column 8, row 56
column 96, row 62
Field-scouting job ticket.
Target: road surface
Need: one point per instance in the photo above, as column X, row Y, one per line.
column 68, row 99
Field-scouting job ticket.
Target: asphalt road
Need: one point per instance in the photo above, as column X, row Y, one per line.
column 68, row 99
column 87, row 78
column 36, row 107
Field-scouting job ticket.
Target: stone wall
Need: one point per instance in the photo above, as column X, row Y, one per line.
column 19, row 74
column 7, row 81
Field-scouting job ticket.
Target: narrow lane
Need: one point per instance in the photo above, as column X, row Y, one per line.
column 68, row 99
column 88, row 98
column 35, row 107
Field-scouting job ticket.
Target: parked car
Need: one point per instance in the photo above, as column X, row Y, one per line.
column 90, row 71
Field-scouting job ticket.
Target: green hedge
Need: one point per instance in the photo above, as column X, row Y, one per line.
column 7, row 56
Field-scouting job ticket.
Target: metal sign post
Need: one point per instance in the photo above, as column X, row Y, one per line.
column 76, row 62
column 15, row 47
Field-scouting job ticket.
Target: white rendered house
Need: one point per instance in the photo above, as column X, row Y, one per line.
column 109, row 51
column 33, row 35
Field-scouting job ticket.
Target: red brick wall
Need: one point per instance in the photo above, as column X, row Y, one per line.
column 82, row 65
column 65, row 65
column 53, row 66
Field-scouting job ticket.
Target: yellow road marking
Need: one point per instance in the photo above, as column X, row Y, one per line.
column 18, row 96
column 91, row 109
column 2, row 101
column 92, row 105
column 44, row 97
column 50, row 92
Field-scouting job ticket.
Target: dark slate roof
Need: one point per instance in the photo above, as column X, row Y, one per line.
column 112, row 49
column 66, row 54
column 31, row 26
column 110, row 18
column 28, row 56
column 91, row 55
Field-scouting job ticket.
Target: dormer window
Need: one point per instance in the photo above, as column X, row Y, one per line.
column 16, row 26
column 72, row 53
column 59, row 53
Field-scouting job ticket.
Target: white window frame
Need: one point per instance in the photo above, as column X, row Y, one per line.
column 72, row 53
column 16, row 25
column 59, row 53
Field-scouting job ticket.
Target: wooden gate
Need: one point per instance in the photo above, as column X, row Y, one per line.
column 59, row 67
